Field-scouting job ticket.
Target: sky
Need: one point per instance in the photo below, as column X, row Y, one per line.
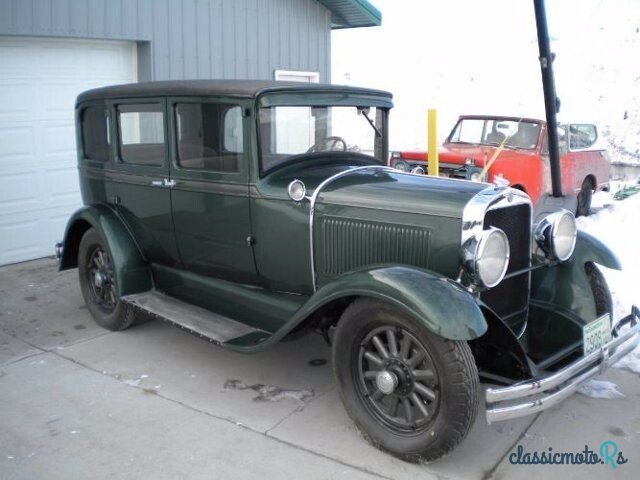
column 475, row 57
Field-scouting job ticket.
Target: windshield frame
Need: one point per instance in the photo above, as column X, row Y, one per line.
column 498, row 118
column 324, row 99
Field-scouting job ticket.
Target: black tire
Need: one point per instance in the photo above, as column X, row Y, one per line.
column 453, row 408
column 102, row 301
column 584, row 199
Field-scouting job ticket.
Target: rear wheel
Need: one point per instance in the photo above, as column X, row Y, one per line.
column 410, row 392
column 98, row 283
column 584, row 198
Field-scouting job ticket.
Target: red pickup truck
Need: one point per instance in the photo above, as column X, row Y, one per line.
column 513, row 151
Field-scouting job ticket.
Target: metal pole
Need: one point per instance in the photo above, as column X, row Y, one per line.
column 551, row 102
column 432, row 143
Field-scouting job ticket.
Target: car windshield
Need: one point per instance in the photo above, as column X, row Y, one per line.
column 493, row 131
column 287, row 132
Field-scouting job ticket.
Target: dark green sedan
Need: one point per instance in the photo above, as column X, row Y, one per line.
column 248, row 212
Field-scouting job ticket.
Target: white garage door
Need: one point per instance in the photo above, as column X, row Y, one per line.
column 39, row 81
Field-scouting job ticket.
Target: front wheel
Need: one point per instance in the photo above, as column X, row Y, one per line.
column 98, row 283
column 410, row 392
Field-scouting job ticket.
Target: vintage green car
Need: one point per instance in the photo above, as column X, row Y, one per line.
column 249, row 212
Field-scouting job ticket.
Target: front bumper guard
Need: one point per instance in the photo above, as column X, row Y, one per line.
column 538, row 395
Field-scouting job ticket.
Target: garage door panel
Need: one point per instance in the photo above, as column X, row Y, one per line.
column 18, row 191
column 62, row 185
column 16, row 142
column 40, row 80
column 59, row 102
column 15, row 101
column 21, row 239
column 59, row 138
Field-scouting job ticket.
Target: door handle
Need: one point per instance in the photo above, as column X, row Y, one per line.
column 165, row 182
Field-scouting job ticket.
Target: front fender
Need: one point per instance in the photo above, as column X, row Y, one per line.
column 132, row 272
column 434, row 301
column 567, row 285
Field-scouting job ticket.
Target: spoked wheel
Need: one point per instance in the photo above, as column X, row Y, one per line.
column 409, row 391
column 398, row 379
column 100, row 277
column 584, row 199
column 98, row 282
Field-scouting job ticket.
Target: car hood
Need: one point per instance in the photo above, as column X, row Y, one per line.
column 384, row 189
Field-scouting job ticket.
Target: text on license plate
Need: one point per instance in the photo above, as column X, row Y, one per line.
column 596, row 333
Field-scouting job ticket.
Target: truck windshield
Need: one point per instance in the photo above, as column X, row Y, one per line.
column 522, row 134
column 287, row 132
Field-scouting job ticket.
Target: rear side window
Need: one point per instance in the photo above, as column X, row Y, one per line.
column 141, row 130
column 582, row 136
column 95, row 133
column 209, row 136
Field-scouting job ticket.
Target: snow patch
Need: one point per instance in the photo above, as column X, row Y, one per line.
column 600, row 389
column 618, row 227
column 631, row 362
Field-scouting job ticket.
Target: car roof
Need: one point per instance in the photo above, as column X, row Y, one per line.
column 233, row 88
column 501, row 117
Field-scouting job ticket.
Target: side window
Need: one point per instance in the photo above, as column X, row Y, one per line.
column 562, row 141
column 141, row 130
column 582, row 136
column 94, row 127
column 209, row 136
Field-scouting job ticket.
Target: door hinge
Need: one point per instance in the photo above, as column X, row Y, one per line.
column 251, row 241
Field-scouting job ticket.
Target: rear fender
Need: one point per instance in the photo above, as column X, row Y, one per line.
column 132, row 272
column 570, row 285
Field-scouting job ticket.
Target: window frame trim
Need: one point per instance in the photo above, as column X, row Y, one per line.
column 177, row 171
column 82, row 152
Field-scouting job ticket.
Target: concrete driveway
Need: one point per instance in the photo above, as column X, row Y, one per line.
column 79, row 402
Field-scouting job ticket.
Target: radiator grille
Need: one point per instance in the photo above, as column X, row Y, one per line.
column 512, row 295
column 349, row 244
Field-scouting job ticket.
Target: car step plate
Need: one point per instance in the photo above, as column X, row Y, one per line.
column 197, row 320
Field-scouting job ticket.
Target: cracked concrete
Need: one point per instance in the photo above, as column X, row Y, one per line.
column 151, row 402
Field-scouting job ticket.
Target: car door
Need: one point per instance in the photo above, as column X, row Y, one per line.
column 211, row 194
column 142, row 180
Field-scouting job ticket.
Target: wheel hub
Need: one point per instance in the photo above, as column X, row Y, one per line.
column 402, row 373
column 386, row 382
column 99, row 279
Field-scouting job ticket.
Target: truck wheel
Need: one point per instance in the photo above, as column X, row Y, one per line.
column 410, row 392
column 584, row 199
column 98, row 284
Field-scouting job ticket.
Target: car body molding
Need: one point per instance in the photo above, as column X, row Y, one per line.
column 132, row 272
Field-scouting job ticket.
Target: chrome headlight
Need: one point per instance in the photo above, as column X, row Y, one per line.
column 556, row 235
column 486, row 257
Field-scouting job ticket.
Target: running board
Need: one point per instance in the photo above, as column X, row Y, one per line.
column 200, row 321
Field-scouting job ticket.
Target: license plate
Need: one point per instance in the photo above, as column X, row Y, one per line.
column 596, row 333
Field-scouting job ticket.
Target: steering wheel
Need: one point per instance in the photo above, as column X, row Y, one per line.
column 329, row 144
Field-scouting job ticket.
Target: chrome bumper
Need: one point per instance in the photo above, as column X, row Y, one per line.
column 538, row 395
